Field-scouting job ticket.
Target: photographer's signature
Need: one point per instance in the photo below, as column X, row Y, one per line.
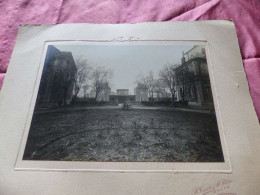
column 215, row 188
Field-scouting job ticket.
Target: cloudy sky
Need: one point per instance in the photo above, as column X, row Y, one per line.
column 128, row 61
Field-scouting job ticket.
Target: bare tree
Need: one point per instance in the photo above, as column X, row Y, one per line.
column 149, row 82
column 159, row 87
column 100, row 77
column 68, row 80
column 85, row 88
column 169, row 78
column 185, row 80
column 82, row 74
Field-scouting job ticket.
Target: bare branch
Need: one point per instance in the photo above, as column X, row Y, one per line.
column 168, row 78
column 82, row 75
column 148, row 81
column 100, row 78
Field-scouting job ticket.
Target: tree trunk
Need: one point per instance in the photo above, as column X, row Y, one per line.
column 182, row 96
column 173, row 96
column 183, row 99
column 65, row 98
column 75, row 99
column 152, row 99
column 96, row 96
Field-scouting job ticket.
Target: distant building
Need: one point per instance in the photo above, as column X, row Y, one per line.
column 113, row 93
column 162, row 94
column 57, row 79
column 122, row 96
column 104, row 93
column 193, row 78
column 87, row 95
column 166, row 94
column 141, row 93
column 122, row 92
column 92, row 94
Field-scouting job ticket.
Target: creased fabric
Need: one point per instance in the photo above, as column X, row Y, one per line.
column 244, row 13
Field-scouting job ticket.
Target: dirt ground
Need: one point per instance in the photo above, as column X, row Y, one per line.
column 124, row 135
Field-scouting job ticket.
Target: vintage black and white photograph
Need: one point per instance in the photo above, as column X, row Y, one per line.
column 124, row 103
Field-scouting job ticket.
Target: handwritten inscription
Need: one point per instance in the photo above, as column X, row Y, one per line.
column 215, row 188
column 126, row 39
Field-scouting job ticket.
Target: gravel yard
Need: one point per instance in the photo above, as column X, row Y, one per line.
column 124, row 135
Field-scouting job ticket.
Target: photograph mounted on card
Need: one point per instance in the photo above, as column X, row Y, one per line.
column 138, row 105
column 156, row 108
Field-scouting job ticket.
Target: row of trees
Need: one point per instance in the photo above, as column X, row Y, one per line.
column 89, row 76
column 97, row 77
column 169, row 77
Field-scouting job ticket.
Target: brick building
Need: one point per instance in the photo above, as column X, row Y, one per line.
column 57, row 81
column 193, row 81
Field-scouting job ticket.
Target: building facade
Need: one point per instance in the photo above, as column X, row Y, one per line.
column 193, row 83
column 162, row 95
column 122, row 96
column 104, row 93
column 122, row 91
column 57, row 81
column 141, row 93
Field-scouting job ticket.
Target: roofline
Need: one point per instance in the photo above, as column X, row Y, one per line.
column 191, row 49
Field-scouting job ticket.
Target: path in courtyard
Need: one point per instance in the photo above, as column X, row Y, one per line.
column 142, row 107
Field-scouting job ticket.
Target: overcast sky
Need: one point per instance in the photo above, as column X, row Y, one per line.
column 127, row 61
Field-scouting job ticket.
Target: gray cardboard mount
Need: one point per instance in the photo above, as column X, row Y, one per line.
column 237, row 120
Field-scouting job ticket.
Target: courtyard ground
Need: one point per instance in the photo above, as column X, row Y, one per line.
column 124, row 135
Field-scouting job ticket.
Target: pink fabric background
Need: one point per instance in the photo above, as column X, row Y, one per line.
column 245, row 14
